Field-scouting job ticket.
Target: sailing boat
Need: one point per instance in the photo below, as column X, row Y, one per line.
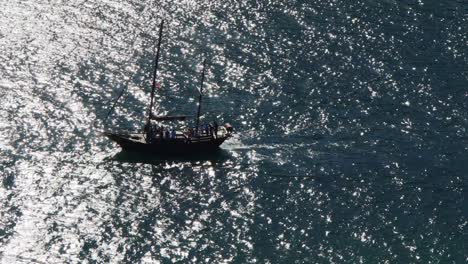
column 157, row 139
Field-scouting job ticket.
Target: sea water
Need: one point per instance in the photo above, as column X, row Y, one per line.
column 351, row 135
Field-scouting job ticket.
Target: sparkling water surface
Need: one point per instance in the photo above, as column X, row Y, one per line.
column 351, row 121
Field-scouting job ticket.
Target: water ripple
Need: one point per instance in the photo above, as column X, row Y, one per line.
column 351, row 129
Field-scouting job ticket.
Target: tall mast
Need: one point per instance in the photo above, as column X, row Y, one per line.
column 153, row 88
column 200, row 97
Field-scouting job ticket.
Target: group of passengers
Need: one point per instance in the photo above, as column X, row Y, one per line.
column 204, row 130
column 161, row 132
column 155, row 132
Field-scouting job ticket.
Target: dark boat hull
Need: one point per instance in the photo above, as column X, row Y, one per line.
column 178, row 146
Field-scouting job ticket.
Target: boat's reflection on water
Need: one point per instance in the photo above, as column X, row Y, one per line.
column 124, row 156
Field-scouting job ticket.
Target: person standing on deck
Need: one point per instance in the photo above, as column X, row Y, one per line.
column 149, row 132
column 161, row 132
column 211, row 130
column 189, row 134
column 154, row 131
column 215, row 126
column 167, row 134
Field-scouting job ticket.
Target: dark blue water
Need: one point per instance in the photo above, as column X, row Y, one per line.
column 351, row 121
